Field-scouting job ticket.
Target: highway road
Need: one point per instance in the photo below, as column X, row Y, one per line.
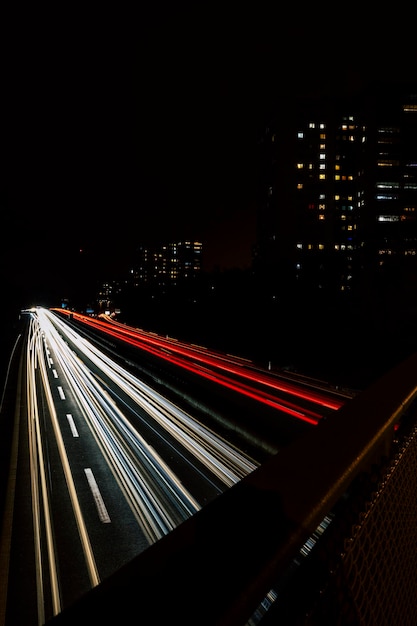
column 120, row 435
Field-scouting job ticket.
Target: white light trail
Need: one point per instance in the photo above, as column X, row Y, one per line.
column 37, row 376
column 157, row 497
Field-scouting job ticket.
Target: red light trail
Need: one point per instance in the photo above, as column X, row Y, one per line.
column 199, row 361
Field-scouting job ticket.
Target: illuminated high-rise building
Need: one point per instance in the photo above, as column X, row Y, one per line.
column 166, row 266
column 338, row 194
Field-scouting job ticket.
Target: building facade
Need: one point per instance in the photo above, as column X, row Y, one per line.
column 338, row 194
column 166, row 266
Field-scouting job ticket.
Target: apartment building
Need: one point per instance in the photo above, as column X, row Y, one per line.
column 338, row 193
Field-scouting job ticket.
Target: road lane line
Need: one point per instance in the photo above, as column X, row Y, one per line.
column 101, row 507
column 61, row 393
column 55, row 373
column 72, row 425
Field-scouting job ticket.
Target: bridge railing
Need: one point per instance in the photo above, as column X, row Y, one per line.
column 325, row 532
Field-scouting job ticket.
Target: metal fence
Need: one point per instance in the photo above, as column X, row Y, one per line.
column 360, row 566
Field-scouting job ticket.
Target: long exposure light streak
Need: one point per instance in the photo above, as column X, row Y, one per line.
column 158, row 347
column 142, row 473
column 153, row 460
column 36, row 468
column 155, row 494
column 37, row 373
column 137, row 430
column 233, row 365
column 208, row 447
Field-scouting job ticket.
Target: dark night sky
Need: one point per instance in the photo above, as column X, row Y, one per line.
column 124, row 127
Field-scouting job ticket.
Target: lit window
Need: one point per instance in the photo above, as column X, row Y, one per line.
column 388, row 163
column 300, row 185
column 300, row 166
column 300, row 135
column 312, row 125
column 322, row 177
column 322, row 155
column 388, row 130
column 387, row 185
column 322, row 166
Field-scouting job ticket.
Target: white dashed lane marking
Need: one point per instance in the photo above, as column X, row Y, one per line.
column 101, row 507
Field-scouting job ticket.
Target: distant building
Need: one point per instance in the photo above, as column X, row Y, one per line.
column 338, row 193
column 167, row 266
column 157, row 271
column 108, row 294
